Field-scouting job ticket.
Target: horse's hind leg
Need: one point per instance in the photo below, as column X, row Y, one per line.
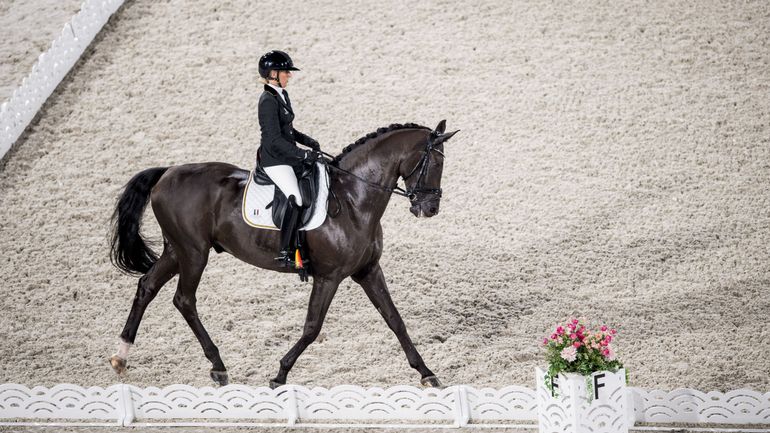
column 191, row 267
column 376, row 289
column 149, row 285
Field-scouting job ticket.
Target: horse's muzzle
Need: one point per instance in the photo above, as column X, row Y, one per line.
column 426, row 209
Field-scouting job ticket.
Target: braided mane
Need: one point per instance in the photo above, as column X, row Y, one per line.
column 377, row 133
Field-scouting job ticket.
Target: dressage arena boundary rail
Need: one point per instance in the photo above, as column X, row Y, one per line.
column 512, row 407
column 51, row 68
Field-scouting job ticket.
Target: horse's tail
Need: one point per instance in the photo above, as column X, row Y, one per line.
column 129, row 252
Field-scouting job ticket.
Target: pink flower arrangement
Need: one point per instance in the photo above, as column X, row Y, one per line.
column 574, row 348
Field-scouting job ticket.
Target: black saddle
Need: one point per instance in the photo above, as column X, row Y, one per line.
column 308, row 179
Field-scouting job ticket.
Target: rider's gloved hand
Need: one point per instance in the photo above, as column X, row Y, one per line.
column 312, row 156
column 313, row 144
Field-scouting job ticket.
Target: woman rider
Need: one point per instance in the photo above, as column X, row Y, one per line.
column 278, row 153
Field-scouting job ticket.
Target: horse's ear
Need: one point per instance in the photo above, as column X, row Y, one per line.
column 441, row 127
column 444, row 137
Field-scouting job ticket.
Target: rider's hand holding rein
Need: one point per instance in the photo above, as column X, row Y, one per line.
column 312, row 143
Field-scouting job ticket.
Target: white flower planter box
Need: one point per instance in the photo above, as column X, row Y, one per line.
column 572, row 411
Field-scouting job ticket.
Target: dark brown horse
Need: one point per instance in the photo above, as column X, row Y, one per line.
column 198, row 207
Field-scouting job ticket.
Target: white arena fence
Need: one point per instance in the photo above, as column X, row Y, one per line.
column 347, row 405
column 51, row 67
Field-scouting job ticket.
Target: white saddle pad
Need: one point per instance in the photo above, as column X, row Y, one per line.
column 256, row 197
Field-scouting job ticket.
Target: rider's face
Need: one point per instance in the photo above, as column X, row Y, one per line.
column 282, row 77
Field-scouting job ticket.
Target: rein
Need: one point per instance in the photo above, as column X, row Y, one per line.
column 410, row 193
column 396, row 190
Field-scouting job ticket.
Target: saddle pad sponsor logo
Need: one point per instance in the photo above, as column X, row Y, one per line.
column 256, row 198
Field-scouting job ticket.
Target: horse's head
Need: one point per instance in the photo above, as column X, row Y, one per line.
column 421, row 172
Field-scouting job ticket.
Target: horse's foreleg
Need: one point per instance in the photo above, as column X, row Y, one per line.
column 376, row 289
column 320, row 299
column 191, row 269
column 149, row 285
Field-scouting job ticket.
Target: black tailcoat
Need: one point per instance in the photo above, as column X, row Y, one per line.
column 277, row 145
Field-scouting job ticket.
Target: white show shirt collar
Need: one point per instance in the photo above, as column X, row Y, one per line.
column 279, row 90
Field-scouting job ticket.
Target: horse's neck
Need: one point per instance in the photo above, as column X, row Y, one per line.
column 376, row 162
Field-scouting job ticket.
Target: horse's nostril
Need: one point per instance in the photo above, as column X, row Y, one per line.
column 433, row 210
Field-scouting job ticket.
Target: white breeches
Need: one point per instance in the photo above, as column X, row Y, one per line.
column 284, row 178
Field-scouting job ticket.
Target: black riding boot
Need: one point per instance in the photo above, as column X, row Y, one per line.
column 288, row 228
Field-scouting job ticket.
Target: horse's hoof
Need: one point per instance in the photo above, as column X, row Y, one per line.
column 118, row 364
column 219, row 377
column 275, row 384
column 431, row 382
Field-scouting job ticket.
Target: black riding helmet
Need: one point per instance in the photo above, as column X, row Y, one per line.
column 275, row 61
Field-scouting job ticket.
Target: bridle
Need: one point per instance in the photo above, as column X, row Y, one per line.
column 422, row 166
column 410, row 192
